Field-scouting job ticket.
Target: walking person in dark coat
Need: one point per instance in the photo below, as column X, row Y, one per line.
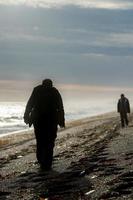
column 45, row 111
column 123, row 108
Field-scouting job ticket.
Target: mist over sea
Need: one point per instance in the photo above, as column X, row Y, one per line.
column 11, row 113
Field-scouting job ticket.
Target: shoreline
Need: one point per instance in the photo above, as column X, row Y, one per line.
column 69, row 122
column 28, row 133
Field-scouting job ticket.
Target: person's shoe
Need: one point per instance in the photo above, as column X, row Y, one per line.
column 45, row 168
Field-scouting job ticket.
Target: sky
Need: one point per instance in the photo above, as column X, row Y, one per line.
column 83, row 45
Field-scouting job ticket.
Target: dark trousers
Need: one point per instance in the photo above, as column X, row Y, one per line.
column 124, row 119
column 45, row 139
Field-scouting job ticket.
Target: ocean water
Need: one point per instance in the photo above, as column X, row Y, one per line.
column 11, row 117
column 11, row 113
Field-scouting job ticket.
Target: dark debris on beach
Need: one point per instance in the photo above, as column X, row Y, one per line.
column 92, row 161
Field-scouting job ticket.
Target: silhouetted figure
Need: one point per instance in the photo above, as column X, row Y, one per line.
column 45, row 111
column 123, row 108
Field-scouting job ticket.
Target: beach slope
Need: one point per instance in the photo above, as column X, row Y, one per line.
column 92, row 160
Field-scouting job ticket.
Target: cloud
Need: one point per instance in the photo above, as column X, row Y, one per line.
column 112, row 40
column 28, row 37
column 72, row 45
column 75, row 39
column 106, row 4
column 120, row 39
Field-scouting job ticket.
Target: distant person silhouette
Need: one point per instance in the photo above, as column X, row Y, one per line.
column 123, row 108
column 45, row 111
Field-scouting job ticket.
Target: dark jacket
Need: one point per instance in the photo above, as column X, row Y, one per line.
column 123, row 105
column 45, row 104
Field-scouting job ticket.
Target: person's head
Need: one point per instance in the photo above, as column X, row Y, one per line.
column 47, row 83
column 122, row 96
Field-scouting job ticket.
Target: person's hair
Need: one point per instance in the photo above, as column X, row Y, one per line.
column 122, row 95
column 47, row 83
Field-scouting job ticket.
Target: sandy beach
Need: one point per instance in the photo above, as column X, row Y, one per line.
column 92, row 160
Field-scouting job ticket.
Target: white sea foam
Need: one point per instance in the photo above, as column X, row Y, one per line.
column 11, row 116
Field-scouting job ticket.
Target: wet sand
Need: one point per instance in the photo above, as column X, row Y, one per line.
column 92, row 160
